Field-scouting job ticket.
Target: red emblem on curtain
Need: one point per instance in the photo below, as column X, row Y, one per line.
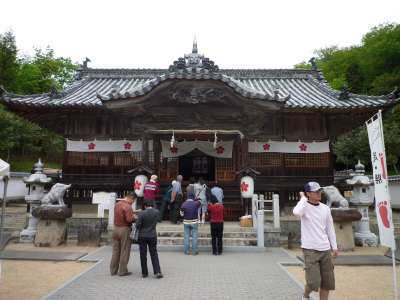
column 173, row 149
column 266, row 147
column 91, row 146
column 137, row 185
column 244, row 186
column 220, row 150
column 303, row 147
column 127, row 146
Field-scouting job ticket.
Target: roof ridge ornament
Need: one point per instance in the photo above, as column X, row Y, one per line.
column 313, row 64
column 194, row 49
column 344, row 94
column 392, row 95
column 194, row 63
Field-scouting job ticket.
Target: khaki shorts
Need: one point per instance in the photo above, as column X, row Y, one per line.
column 319, row 270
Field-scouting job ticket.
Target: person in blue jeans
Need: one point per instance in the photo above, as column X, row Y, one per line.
column 189, row 211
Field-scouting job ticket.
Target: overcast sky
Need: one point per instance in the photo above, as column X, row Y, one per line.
column 152, row 34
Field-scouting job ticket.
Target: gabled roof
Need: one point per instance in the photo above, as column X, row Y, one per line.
column 291, row 88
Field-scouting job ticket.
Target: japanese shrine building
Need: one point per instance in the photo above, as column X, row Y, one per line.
column 278, row 122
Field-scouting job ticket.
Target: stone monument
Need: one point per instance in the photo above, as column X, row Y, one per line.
column 362, row 197
column 52, row 214
column 36, row 183
column 342, row 216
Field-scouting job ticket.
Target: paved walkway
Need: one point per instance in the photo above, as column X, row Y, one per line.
column 233, row 275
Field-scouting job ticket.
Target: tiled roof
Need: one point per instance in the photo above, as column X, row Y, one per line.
column 291, row 88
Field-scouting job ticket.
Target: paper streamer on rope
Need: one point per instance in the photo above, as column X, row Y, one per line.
column 289, row 147
column 223, row 149
column 105, row 146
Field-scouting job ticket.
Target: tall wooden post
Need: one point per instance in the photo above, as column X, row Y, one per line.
column 244, row 150
column 145, row 149
column 157, row 151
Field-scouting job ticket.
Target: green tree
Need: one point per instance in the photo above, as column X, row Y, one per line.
column 8, row 60
column 43, row 71
column 30, row 75
column 372, row 68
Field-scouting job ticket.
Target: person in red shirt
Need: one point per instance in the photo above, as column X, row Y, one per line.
column 124, row 216
column 216, row 213
column 151, row 189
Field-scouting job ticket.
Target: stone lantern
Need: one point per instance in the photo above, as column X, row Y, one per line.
column 36, row 183
column 362, row 197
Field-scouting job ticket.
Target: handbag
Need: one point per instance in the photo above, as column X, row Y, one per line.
column 134, row 235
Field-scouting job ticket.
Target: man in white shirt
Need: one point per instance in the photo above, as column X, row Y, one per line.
column 318, row 239
column 217, row 191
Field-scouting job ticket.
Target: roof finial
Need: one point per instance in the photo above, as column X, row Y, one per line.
column 194, row 50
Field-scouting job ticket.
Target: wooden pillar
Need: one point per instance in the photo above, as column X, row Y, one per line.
column 244, row 150
column 157, row 151
column 145, row 149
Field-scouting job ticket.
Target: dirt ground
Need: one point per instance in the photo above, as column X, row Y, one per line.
column 357, row 283
column 23, row 279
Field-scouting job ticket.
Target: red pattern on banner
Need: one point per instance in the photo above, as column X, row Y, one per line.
column 173, row 149
column 244, row 186
column 91, row 146
column 303, row 147
column 127, row 146
column 220, row 150
column 266, row 147
column 137, row 185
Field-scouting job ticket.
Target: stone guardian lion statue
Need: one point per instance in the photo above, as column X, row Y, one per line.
column 334, row 197
column 56, row 195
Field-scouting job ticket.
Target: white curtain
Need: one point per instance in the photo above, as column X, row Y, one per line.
column 104, row 146
column 289, row 147
column 223, row 149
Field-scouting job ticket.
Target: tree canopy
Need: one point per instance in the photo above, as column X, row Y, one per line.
column 371, row 68
column 30, row 75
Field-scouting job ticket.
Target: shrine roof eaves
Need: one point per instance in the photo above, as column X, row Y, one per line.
column 307, row 88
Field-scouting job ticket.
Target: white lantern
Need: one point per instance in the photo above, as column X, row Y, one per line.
column 138, row 185
column 247, row 187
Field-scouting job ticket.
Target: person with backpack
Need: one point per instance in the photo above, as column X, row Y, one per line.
column 166, row 200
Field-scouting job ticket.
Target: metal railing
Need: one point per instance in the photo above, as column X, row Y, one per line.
column 258, row 211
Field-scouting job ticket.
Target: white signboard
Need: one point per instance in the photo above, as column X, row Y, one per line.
column 382, row 195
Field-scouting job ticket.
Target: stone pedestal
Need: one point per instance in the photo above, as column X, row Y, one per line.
column 343, row 219
column 52, row 226
column 28, row 234
column 363, row 235
column 344, row 236
column 51, row 233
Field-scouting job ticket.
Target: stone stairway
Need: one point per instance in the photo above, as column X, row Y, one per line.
column 234, row 235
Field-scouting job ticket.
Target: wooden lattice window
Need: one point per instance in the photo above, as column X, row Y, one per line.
column 169, row 168
column 88, row 159
column 308, row 160
column 127, row 159
column 265, row 160
column 225, row 170
column 151, row 159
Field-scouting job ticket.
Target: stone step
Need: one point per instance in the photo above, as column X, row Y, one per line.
column 206, row 227
column 205, row 234
column 207, row 241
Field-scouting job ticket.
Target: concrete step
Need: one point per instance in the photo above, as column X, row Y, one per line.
column 205, row 234
column 228, row 227
column 207, row 241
